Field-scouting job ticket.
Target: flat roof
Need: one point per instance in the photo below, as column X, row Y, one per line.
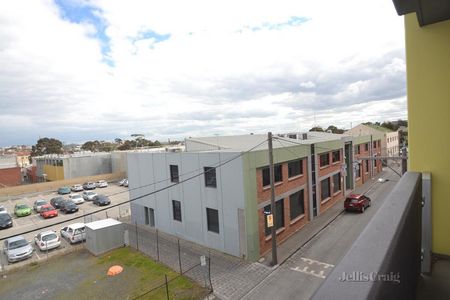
column 102, row 224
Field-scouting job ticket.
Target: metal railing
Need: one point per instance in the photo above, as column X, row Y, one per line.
column 385, row 260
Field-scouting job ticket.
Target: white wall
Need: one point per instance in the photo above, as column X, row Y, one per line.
column 227, row 198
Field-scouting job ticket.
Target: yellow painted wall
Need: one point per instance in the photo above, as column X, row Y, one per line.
column 54, row 172
column 428, row 77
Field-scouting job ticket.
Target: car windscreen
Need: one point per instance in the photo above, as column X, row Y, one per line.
column 354, row 201
column 4, row 217
column 49, row 237
column 21, row 206
column 17, row 244
column 47, row 208
column 40, row 202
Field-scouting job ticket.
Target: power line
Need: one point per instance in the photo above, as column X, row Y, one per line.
column 136, row 198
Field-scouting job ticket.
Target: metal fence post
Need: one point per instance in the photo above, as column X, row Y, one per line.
column 137, row 236
column 179, row 256
column 209, row 271
column 167, row 287
column 106, row 212
column 157, row 244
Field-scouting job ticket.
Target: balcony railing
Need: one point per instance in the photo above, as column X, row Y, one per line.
column 385, row 260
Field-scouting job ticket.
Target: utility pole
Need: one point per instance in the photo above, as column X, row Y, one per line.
column 272, row 202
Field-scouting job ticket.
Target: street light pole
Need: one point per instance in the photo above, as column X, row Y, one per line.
column 272, row 201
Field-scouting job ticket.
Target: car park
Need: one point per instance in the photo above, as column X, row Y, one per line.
column 56, row 202
column 89, row 186
column 101, row 184
column 101, row 200
column 64, row 190
column 47, row 240
column 5, row 221
column 74, row 233
column 3, row 210
column 76, row 198
column 48, row 211
column 77, row 188
column 17, row 248
column 357, row 202
column 69, row 207
column 38, row 204
column 22, row 210
column 89, row 195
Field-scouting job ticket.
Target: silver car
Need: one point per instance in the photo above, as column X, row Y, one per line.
column 89, row 196
column 17, row 248
column 38, row 204
column 3, row 210
column 47, row 240
column 76, row 198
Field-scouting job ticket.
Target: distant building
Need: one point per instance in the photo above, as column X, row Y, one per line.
column 10, row 172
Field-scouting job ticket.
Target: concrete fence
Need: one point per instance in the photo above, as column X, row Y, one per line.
column 11, row 192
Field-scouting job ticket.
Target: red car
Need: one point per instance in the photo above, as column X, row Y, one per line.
column 357, row 202
column 48, row 211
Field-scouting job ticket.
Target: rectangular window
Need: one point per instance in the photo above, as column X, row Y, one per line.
column 366, row 147
column 357, row 170
column 374, row 144
column 367, row 165
column 176, row 207
column 325, row 188
column 374, row 163
column 278, row 174
column 210, row 176
column 324, row 159
column 174, row 177
column 295, row 168
column 297, row 204
column 279, row 221
column 336, row 156
column 212, row 218
column 336, row 182
column 357, row 149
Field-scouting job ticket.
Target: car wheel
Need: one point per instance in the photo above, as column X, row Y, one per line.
column 362, row 209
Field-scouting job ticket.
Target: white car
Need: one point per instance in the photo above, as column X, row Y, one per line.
column 76, row 198
column 47, row 240
column 101, row 184
column 89, row 196
column 74, row 233
column 3, row 210
column 77, row 188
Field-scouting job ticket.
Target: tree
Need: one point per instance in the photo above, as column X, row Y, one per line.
column 91, row 146
column 47, row 146
column 317, row 128
column 334, row 129
column 118, row 141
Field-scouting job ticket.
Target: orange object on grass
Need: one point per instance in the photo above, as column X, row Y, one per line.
column 114, row 270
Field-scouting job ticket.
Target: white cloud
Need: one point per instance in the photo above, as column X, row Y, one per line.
column 226, row 59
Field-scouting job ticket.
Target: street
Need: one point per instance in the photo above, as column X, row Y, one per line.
column 302, row 274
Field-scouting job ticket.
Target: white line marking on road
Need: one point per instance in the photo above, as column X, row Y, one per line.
column 305, row 271
column 37, row 255
column 312, row 261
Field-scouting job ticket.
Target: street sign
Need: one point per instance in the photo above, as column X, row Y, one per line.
column 269, row 220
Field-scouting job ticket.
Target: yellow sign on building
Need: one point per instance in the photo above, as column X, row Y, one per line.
column 269, row 220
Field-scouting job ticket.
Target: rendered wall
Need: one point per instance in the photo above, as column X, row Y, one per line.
column 428, row 75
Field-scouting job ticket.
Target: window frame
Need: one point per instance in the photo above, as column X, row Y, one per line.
column 176, row 211
column 327, row 160
column 337, row 175
column 174, row 177
column 211, row 226
column 333, row 156
column 279, row 221
column 266, row 174
column 210, row 177
column 300, row 201
column 300, row 169
column 322, row 198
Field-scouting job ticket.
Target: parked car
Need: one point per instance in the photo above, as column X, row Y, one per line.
column 47, row 240
column 57, row 201
column 89, row 195
column 357, row 202
column 121, row 182
column 48, row 211
column 74, row 232
column 5, row 221
column 76, row 198
column 38, row 204
column 101, row 200
column 89, row 186
column 17, row 248
column 64, row 190
column 69, row 207
column 22, row 210
column 77, row 188
column 3, row 210
column 101, row 184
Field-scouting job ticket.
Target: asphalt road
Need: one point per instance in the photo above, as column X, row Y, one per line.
column 302, row 274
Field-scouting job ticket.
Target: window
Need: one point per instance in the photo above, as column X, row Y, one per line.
column 357, row 149
column 176, row 207
column 374, row 163
column 174, row 177
column 374, row 144
column 336, row 182
column 336, row 156
column 297, row 204
column 210, row 176
column 366, row 147
column 325, row 188
column 324, row 159
column 212, row 218
column 279, row 221
column 367, row 165
column 278, row 174
column 295, row 168
column 357, row 170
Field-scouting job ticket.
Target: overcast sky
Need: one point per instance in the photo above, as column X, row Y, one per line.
column 99, row 69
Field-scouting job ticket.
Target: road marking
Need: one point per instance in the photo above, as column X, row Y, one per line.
column 312, row 261
column 37, row 254
column 308, row 269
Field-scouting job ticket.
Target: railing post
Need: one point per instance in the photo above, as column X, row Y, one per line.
column 426, row 223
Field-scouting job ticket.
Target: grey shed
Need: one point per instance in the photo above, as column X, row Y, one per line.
column 104, row 235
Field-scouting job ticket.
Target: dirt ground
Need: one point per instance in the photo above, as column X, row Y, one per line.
column 80, row 275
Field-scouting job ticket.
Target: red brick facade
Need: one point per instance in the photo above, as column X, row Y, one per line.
column 286, row 187
column 326, row 172
column 10, row 177
column 363, row 150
